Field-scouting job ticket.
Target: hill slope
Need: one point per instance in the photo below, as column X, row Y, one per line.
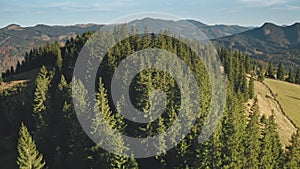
column 16, row 40
column 279, row 43
column 211, row 31
column 269, row 105
column 288, row 96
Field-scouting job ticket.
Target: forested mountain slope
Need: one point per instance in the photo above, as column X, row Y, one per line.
column 42, row 110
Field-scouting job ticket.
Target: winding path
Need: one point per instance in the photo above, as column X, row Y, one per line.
column 269, row 105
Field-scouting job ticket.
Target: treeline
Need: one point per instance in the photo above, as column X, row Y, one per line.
column 242, row 139
column 280, row 73
column 50, row 54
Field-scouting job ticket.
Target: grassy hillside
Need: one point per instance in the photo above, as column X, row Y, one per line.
column 289, row 97
column 269, row 42
column 269, row 105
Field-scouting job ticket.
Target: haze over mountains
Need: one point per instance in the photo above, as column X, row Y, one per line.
column 263, row 43
column 279, row 43
column 211, row 31
column 16, row 40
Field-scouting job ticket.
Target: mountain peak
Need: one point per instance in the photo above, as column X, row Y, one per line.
column 297, row 24
column 269, row 24
column 14, row 27
column 197, row 23
column 42, row 26
column 151, row 20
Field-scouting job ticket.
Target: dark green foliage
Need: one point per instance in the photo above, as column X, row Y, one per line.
column 291, row 77
column 280, row 71
column 247, row 64
column 260, row 73
column 59, row 60
column 271, row 155
column 115, row 121
column 270, row 71
column 298, row 76
column 252, row 138
column 251, row 91
column 239, row 141
column 29, row 157
column 293, row 154
column 233, row 131
column 297, row 80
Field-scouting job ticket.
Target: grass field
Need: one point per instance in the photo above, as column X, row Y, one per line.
column 19, row 79
column 268, row 106
column 288, row 96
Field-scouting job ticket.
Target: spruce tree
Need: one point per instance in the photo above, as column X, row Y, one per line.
column 292, row 76
column 271, row 149
column 293, row 154
column 270, row 71
column 260, row 73
column 29, row 157
column 59, row 59
column 298, row 76
column 251, row 90
column 266, row 147
column 280, row 71
column 40, row 97
column 252, row 142
column 233, row 131
column 114, row 121
column 146, row 39
column 247, row 64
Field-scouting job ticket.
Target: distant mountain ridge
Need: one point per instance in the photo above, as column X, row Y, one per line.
column 15, row 39
column 268, row 42
column 211, row 31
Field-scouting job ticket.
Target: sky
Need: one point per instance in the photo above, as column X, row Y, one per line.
column 232, row 12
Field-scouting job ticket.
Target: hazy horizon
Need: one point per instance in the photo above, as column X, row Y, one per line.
column 236, row 12
column 86, row 23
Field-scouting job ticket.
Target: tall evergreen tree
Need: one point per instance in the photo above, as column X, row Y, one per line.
column 280, row 71
column 270, row 70
column 271, row 149
column 260, row 73
column 59, row 59
column 247, row 64
column 115, row 121
column 29, row 157
column 293, row 154
column 40, row 97
column 292, row 76
column 252, row 142
column 251, row 90
column 233, row 127
column 298, row 76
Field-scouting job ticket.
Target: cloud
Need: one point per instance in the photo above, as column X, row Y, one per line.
column 73, row 6
column 287, row 7
column 263, row 3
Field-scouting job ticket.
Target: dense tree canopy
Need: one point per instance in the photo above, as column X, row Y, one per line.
column 240, row 140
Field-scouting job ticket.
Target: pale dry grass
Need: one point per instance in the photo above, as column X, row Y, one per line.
column 7, row 85
column 289, row 98
column 19, row 79
column 269, row 105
